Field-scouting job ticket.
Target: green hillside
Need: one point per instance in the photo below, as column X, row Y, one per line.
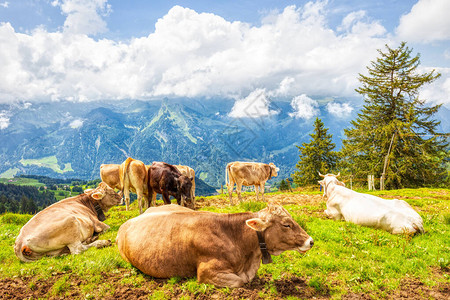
column 347, row 261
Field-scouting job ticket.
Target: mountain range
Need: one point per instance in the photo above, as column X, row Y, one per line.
column 71, row 140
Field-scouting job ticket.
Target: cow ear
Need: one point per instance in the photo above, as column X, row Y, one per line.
column 97, row 195
column 256, row 224
column 321, row 182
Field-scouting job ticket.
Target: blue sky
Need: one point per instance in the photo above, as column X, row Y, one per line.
column 247, row 51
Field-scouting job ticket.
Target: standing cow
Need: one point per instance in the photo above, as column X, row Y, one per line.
column 130, row 175
column 189, row 172
column 248, row 173
column 71, row 225
column 394, row 216
column 167, row 180
column 220, row 249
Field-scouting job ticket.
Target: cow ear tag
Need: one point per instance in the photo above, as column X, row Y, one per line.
column 97, row 195
column 256, row 224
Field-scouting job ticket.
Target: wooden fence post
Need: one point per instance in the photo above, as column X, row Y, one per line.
column 371, row 182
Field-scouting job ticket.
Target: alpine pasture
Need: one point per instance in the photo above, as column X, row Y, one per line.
column 347, row 261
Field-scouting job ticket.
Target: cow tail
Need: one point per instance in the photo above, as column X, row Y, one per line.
column 226, row 175
column 125, row 171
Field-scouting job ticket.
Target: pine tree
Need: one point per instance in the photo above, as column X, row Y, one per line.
column 283, row 186
column 24, row 205
column 395, row 132
column 315, row 156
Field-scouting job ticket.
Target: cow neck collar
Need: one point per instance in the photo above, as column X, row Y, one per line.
column 266, row 258
column 100, row 214
column 93, row 205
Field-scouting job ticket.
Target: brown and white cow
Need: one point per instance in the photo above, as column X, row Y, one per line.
column 189, row 172
column 248, row 173
column 167, row 180
column 71, row 225
column 220, row 249
column 130, row 175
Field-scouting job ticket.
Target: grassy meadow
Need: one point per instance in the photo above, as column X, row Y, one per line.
column 347, row 261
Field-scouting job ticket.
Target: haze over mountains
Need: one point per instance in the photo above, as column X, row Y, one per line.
column 72, row 140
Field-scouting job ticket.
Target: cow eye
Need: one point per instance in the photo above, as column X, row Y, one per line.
column 287, row 225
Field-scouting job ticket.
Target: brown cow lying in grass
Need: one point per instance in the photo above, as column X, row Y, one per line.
column 221, row 249
column 71, row 225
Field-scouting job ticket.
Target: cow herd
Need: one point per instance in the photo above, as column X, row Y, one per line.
column 175, row 240
column 148, row 180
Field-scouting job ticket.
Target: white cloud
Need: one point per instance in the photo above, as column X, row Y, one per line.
column 84, row 16
column 304, row 107
column 427, row 21
column 284, row 88
column 439, row 91
column 4, row 4
column 76, row 123
column 189, row 54
column 340, row 110
column 4, row 120
column 254, row 105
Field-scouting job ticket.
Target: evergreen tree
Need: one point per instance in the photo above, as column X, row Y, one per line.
column 283, row 186
column 24, row 205
column 394, row 132
column 315, row 156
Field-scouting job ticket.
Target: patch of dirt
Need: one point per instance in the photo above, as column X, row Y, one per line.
column 258, row 289
column 21, row 288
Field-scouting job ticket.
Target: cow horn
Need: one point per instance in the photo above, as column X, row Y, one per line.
column 338, row 174
column 321, row 175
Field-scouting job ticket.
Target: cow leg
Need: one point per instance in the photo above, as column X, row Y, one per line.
column 79, row 247
column 139, row 199
column 166, row 198
column 151, row 198
column 193, row 194
column 256, row 192
column 238, row 190
column 230, row 187
column 212, row 272
column 261, row 187
column 146, row 201
column 126, row 195
column 100, row 227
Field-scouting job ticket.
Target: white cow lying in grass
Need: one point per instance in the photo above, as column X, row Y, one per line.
column 394, row 216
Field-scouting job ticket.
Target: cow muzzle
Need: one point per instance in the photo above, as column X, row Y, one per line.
column 307, row 245
column 187, row 202
column 121, row 197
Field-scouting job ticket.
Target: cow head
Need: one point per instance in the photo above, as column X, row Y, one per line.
column 105, row 196
column 281, row 232
column 184, row 185
column 327, row 179
column 274, row 169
